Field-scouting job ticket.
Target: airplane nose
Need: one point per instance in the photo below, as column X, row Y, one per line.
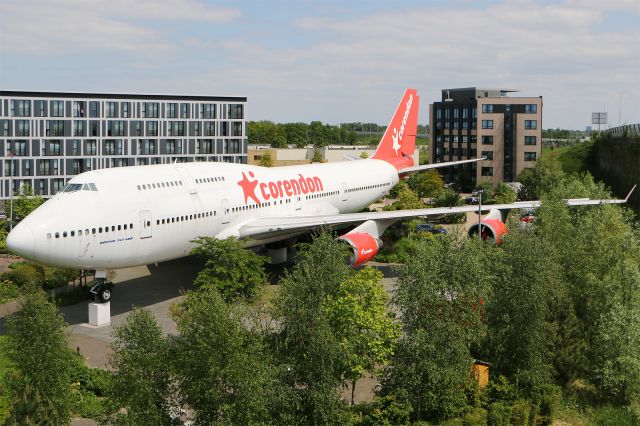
column 21, row 241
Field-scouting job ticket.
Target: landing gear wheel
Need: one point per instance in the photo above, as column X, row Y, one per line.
column 100, row 291
column 104, row 295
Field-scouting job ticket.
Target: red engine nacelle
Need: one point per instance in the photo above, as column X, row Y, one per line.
column 491, row 226
column 364, row 246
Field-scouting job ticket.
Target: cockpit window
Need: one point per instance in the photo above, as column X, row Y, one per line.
column 73, row 187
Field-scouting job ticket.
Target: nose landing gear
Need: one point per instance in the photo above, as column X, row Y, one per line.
column 101, row 290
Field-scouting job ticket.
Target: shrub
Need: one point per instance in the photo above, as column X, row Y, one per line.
column 499, row 414
column 22, row 274
column 549, row 397
column 615, row 416
column 392, row 409
column 8, row 291
column 475, row 417
column 520, row 412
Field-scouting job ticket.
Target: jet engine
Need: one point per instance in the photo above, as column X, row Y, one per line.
column 364, row 246
column 491, row 227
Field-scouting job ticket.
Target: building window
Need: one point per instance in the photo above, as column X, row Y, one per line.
column 530, row 124
column 176, row 128
column 487, row 171
column 78, row 128
column 531, row 108
column 93, row 109
column 465, row 124
column 456, row 113
column 22, row 127
column 236, row 128
column 438, row 113
column 487, row 140
column 19, row 148
column 44, row 167
column 236, row 111
column 184, row 110
column 209, row 128
column 115, row 128
column 447, row 113
column 488, row 154
column 78, row 109
column 173, row 147
column 205, row 146
column 125, row 109
column 150, row 110
column 232, row 146
column 75, row 147
column 53, row 148
column 111, row 147
column 465, row 113
column 146, row 147
column 91, row 148
column 172, row 110
column 93, row 128
column 54, row 128
column 487, row 108
column 136, row 128
column 57, row 185
column 57, row 108
column 474, row 113
column 39, row 108
column 152, row 128
column 20, row 108
column 529, row 156
column 208, row 111
column 487, row 124
column 529, row 140
column 110, row 110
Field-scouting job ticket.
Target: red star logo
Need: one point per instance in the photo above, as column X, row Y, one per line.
column 249, row 188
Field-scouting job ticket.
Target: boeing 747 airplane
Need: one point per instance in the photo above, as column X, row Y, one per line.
column 116, row 218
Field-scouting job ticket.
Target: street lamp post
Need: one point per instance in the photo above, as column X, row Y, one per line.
column 480, row 214
column 11, row 154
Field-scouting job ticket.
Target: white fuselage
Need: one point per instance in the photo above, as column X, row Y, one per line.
column 145, row 214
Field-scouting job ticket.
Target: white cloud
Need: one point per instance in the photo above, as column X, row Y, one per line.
column 89, row 27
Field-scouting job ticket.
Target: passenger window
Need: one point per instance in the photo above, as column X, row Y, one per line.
column 138, row 187
column 100, row 230
column 93, row 230
column 48, row 235
column 125, row 226
column 131, row 226
column 144, row 186
column 119, row 227
column 86, row 232
column 113, row 228
column 64, row 234
column 73, row 233
column 57, row 235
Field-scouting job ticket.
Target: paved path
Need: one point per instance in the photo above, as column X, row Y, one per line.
column 155, row 288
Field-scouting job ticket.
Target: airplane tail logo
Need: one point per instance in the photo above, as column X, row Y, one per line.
column 399, row 140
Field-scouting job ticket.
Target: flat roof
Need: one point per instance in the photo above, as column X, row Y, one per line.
column 482, row 89
column 78, row 95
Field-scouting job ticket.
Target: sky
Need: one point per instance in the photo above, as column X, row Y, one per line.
column 333, row 61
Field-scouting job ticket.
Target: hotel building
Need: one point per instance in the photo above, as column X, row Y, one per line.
column 48, row 137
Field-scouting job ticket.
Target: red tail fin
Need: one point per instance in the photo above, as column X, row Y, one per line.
column 399, row 141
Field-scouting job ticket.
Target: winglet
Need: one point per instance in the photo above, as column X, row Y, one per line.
column 629, row 194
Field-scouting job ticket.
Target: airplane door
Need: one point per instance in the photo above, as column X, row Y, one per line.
column 145, row 224
column 298, row 203
column 344, row 191
column 224, row 207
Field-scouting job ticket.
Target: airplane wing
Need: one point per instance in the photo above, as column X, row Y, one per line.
column 265, row 227
column 438, row 165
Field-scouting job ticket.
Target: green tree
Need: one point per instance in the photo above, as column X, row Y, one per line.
column 522, row 313
column 439, row 297
column 280, row 138
column 141, row 380
column 426, row 184
column 358, row 316
column 235, row 271
column 261, row 132
column 449, row 198
column 297, row 134
column 544, row 177
column 38, row 348
column 221, row 368
column 265, row 160
column 25, row 203
column 317, row 156
column 504, row 194
column 318, row 134
column 306, row 341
